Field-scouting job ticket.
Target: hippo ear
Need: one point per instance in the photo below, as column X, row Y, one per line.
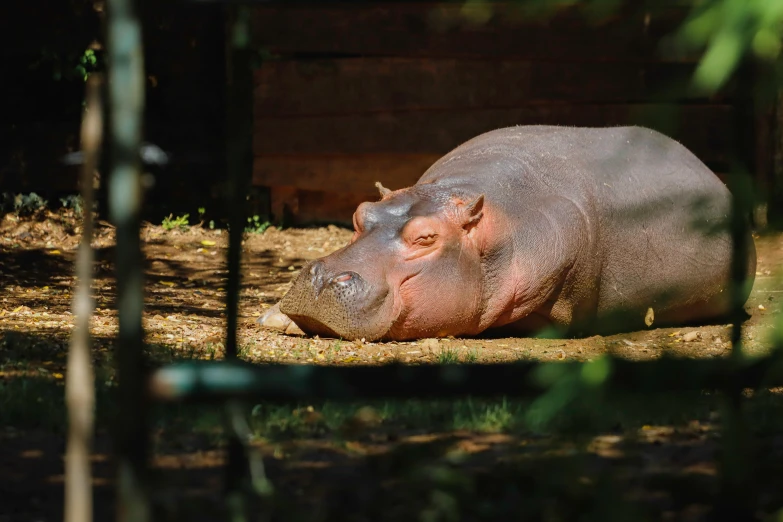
column 383, row 190
column 472, row 212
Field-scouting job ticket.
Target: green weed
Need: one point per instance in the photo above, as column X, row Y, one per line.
column 211, row 351
column 243, row 351
column 255, row 225
column 448, row 356
column 471, row 357
column 171, row 222
column 87, row 63
column 74, row 202
column 332, row 350
column 22, row 204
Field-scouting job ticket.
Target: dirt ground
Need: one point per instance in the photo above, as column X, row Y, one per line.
column 184, row 317
column 185, row 298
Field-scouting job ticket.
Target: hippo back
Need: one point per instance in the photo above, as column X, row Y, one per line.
column 654, row 213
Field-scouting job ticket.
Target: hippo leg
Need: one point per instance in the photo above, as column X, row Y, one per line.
column 274, row 319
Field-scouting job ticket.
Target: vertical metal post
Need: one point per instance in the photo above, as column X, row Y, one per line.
column 238, row 158
column 80, row 379
column 736, row 500
column 126, row 108
column 239, row 166
column 736, row 497
column 776, row 181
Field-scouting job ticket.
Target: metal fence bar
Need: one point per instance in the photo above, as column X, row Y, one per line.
column 736, row 500
column 239, row 167
column 201, row 381
column 126, row 104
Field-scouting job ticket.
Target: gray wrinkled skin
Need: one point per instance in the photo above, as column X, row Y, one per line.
column 332, row 308
column 582, row 228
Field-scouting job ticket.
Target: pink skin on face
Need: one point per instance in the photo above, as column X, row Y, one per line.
column 448, row 288
column 440, row 273
column 437, row 284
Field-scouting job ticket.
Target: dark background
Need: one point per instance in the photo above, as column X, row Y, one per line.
column 346, row 94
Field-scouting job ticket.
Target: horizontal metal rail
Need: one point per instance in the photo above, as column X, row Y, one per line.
column 203, row 381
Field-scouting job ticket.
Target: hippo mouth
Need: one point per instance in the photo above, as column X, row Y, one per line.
column 342, row 305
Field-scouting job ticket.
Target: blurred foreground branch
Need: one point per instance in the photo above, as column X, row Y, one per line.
column 80, row 380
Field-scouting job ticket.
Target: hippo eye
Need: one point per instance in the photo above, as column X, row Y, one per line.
column 426, row 240
column 419, row 233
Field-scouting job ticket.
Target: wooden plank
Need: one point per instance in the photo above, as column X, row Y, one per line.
column 355, row 174
column 443, row 29
column 318, row 206
column 342, row 86
column 702, row 128
column 321, row 207
column 284, row 202
column 297, row 207
column 347, row 174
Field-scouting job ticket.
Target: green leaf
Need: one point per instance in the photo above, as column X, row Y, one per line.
column 595, row 372
column 720, row 60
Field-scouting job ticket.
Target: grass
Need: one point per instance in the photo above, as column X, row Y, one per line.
column 448, row 356
column 275, row 421
column 333, row 350
column 31, row 395
column 549, row 458
column 35, row 399
column 31, row 398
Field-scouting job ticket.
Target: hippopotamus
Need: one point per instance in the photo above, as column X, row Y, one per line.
column 584, row 230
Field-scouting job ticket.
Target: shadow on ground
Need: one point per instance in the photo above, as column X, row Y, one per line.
column 669, row 475
column 43, row 278
column 637, row 458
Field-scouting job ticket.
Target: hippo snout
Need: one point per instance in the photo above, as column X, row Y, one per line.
column 346, row 282
column 335, row 302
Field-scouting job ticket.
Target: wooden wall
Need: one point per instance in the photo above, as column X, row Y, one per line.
column 351, row 94
column 355, row 92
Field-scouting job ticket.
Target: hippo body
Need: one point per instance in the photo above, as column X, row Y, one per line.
column 585, row 229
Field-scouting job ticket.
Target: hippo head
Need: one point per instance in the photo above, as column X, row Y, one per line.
column 412, row 269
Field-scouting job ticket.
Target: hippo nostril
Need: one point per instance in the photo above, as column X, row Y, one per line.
column 317, row 268
column 317, row 276
column 345, row 277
